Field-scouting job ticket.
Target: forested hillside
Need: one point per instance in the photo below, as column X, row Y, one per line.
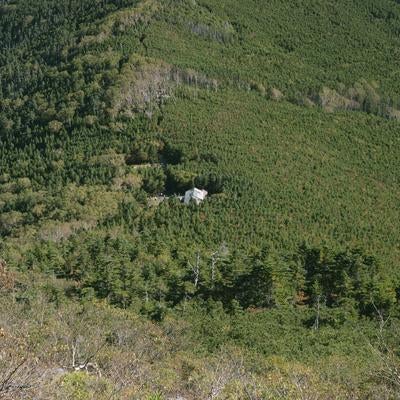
column 282, row 284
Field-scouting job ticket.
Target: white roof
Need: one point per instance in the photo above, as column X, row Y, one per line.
column 197, row 195
column 200, row 194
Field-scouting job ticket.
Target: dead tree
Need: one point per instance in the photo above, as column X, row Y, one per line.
column 319, row 299
column 227, row 369
column 196, row 270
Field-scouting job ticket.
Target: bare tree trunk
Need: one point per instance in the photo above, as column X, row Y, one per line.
column 196, row 270
column 316, row 322
column 214, row 259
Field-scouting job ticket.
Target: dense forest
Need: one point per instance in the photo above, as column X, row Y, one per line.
column 283, row 283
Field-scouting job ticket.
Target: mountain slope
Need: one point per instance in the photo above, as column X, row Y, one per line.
column 284, row 280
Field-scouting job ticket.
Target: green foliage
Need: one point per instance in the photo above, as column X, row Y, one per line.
column 290, row 127
column 75, row 386
column 156, row 396
column 179, row 180
column 153, row 180
column 144, row 152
